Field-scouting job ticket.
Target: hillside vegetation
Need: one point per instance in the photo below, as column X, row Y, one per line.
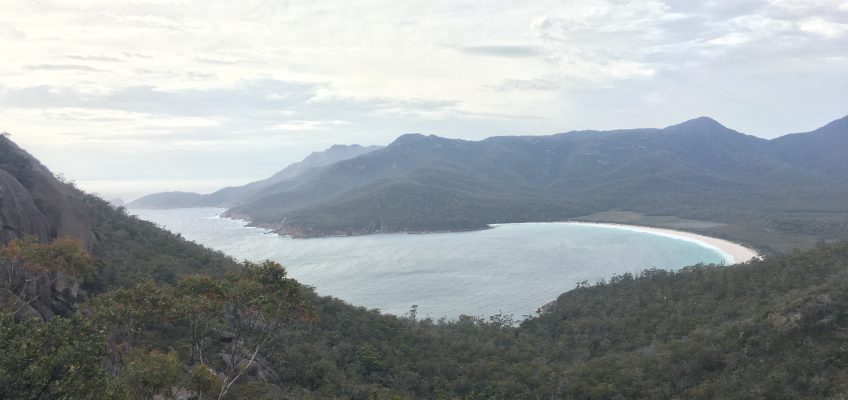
column 768, row 329
column 138, row 312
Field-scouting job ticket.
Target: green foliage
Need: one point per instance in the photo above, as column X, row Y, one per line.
column 767, row 329
column 127, row 316
column 59, row 359
column 256, row 391
column 263, row 288
column 32, row 271
column 204, row 381
column 63, row 255
column 259, row 304
column 131, row 250
column 151, row 373
column 199, row 301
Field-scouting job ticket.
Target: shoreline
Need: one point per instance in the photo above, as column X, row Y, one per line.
column 733, row 253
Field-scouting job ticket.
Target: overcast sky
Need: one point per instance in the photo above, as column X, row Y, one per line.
column 127, row 97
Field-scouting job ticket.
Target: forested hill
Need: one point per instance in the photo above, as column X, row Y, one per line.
column 698, row 169
column 230, row 196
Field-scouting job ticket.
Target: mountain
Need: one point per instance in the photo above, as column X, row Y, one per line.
column 697, row 169
column 230, row 196
column 821, row 150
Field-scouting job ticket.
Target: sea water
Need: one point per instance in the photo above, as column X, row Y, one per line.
column 510, row 269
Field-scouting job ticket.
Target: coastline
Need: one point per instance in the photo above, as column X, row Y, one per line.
column 733, row 253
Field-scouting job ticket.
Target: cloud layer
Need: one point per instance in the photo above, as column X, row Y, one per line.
column 193, row 90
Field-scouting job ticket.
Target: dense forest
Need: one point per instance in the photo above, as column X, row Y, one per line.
column 773, row 328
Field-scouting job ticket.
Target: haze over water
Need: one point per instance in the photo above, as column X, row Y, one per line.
column 512, row 268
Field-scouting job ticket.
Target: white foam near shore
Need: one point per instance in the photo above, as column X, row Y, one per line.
column 733, row 253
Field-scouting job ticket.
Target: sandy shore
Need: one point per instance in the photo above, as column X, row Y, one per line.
column 733, row 253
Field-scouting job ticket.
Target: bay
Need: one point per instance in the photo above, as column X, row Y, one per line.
column 510, row 269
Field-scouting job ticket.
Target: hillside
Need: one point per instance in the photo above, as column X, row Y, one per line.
column 230, row 196
column 124, row 325
column 698, row 169
column 33, row 202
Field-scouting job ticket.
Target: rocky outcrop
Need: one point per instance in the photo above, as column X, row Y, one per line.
column 33, row 202
column 42, row 296
column 18, row 212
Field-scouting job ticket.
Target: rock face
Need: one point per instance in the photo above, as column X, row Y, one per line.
column 33, row 202
column 44, row 296
column 18, row 212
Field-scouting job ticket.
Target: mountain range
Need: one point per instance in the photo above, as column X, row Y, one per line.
column 698, row 169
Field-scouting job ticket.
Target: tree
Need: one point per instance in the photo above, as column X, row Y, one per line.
column 61, row 358
column 204, row 381
column 124, row 313
column 259, row 302
column 147, row 374
column 198, row 300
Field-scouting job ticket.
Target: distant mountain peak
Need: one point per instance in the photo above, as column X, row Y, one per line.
column 412, row 135
column 416, row 138
column 343, row 146
column 700, row 123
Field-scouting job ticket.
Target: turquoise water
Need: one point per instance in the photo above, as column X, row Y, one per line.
column 512, row 268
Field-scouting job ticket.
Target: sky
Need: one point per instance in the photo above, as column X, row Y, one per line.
column 131, row 97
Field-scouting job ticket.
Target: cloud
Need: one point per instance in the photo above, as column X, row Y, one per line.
column 503, row 50
column 248, row 96
column 822, row 27
column 272, row 80
column 525, row 84
column 92, row 58
column 61, row 67
column 300, row 125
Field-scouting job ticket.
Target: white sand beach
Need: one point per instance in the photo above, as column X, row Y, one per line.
column 733, row 252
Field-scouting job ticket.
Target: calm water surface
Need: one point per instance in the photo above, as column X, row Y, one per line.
column 513, row 268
